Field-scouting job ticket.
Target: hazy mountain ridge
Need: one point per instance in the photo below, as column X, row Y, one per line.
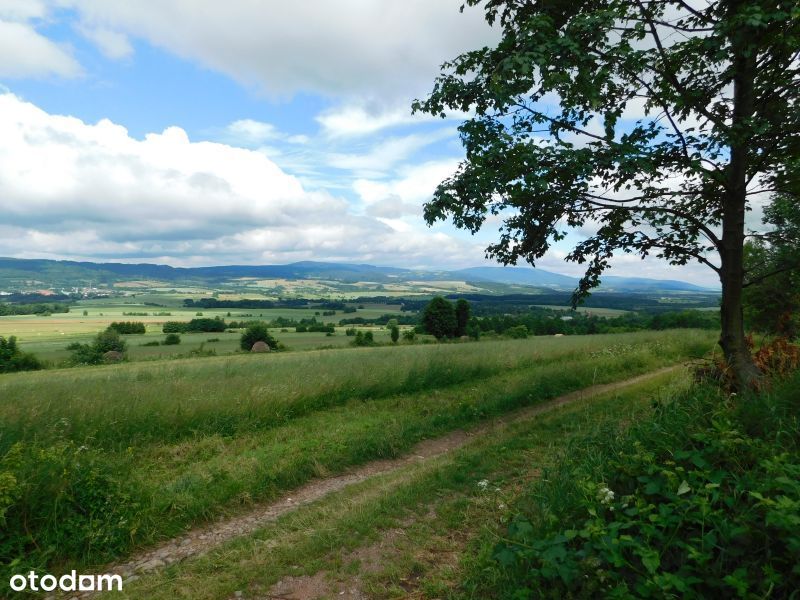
column 14, row 273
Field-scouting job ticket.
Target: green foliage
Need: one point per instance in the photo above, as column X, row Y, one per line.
column 520, row 332
column 363, row 339
column 395, row 333
column 128, row 327
column 14, row 308
column 257, row 331
column 92, row 354
column 462, row 317
column 195, row 325
column 74, row 498
column 108, row 341
column 534, row 154
column 172, row 339
column 13, row 359
column 439, row 318
column 772, row 299
column 409, row 335
column 700, row 501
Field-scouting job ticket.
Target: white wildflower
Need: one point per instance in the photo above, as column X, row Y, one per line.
column 483, row 484
column 605, row 495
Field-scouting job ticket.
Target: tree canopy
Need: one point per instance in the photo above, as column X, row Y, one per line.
column 649, row 125
column 439, row 318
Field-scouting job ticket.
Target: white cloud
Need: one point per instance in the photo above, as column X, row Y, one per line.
column 22, row 10
column 386, row 154
column 357, row 120
column 113, row 44
column 72, row 189
column 353, row 120
column 250, row 132
column 353, row 48
column 406, row 193
column 26, row 53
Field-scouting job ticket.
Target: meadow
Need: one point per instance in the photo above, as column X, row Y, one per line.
column 96, row 462
column 48, row 336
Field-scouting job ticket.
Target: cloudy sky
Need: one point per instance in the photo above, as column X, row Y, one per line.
column 197, row 132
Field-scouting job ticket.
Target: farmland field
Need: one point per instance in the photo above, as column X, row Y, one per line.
column 110, row 459
column 48, row 336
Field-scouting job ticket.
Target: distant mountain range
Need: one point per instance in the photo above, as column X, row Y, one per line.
column 542, row 278
column 16, row 274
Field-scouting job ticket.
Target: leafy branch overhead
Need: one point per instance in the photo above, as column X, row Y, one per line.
column 621, row 117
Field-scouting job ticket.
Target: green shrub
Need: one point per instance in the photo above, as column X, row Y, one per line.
column 92, row 354
column 13, row 359
column 257, row 331
column 519, row 332
column 128, row 327
column 363, row 339
column 153, row 343
column 172, row 339
column 700, row 501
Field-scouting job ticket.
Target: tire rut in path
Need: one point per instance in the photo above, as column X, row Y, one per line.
column 203, row 539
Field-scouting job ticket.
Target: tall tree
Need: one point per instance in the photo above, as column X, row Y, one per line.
column 462, row 317
column 439, row 318
column 772, row 296
column 654, row 123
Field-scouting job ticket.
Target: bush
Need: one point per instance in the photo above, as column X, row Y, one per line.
column 394, row 333
column 520, row 332
column 13, row 359
column 363, row 339
column 257, row 331
column 195, row 326
column 92, row 354
column 172, row 339
column 150, row 344
column 700, row 501
column 175, row 327
column 409, row 335
column 128, row 327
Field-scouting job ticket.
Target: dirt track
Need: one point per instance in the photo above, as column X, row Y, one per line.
column 203, row 539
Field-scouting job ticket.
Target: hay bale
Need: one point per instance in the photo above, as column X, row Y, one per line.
column 112, row 356
column 260, row 347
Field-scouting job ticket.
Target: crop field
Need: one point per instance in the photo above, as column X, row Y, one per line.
column 107, row 460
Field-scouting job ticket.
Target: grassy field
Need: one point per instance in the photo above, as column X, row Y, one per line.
column 48, row 336
column 404, row 534
column 111, row 458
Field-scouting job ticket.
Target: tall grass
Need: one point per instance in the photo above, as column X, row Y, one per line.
column 127, row 405
column 98, row 461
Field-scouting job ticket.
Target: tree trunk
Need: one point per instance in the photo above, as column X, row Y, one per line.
column 744, row 372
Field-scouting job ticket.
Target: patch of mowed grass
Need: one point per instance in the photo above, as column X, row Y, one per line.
column 702, row 500
column 440, row 497
column 110, row 461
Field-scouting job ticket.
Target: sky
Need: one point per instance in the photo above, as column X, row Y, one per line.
column 198, row 132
